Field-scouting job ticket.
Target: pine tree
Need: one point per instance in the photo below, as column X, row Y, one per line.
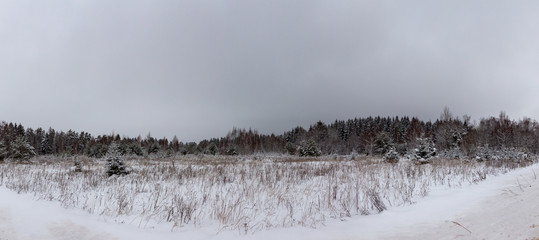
column 114, row 162
column 21, row 149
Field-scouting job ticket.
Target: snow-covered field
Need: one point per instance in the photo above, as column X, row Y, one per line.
column 270, row 198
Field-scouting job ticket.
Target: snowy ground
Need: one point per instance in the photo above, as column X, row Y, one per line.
column 502, row 207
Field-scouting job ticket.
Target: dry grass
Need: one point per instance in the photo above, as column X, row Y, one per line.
column 242, row 193
column 460, row 225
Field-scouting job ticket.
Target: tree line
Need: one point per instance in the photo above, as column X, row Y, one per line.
column 370, row 135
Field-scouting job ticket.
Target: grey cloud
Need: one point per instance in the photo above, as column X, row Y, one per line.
column 196, row 69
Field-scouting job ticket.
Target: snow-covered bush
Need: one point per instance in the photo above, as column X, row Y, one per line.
column 391, row 156
column 485, row 154
column 77, row 165
column 212, row 149
column 453, row 153
column 114, row 162
column 309, row 149
column 21, row 150
column 425, row 151
column 482, row 154
column 232, row 151
column 457, row 137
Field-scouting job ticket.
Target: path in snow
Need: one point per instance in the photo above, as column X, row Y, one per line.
column 503, row 207
column 513, row 213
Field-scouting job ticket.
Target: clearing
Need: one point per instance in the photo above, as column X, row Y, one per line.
column 501, row 207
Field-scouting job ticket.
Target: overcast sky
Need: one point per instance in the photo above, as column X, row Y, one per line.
column 196, row 69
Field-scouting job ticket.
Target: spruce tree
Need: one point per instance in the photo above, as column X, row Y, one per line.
column 114, row 162
column 391, row 156
column 45, row 145
column 309, row 149
column 21, row 149
column 135, row 148
column 425, row 151
column 153, row 147
column 383, row 143
column 232, row 151
column 212, row 149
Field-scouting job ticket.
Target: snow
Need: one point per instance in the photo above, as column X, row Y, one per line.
column 501, row 207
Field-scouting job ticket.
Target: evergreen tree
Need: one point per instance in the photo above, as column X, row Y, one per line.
column 383, row 143
column 212, row 149
column 290, row 148
column 77, row 165
column 232, row 151
column 114, row 162
column 425, row 151
column 153, row 147
column 135, row 148
column 45, row 145
column 98, row 150
column 309, row 149
column 21, row 149
column 391, row 156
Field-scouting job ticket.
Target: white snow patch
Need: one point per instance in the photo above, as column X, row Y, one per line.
column 501, row 207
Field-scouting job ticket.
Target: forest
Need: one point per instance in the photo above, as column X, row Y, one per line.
column 452, row 137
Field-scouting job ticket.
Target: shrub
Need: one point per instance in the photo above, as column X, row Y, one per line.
column 391, row 156
column 77, row 165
